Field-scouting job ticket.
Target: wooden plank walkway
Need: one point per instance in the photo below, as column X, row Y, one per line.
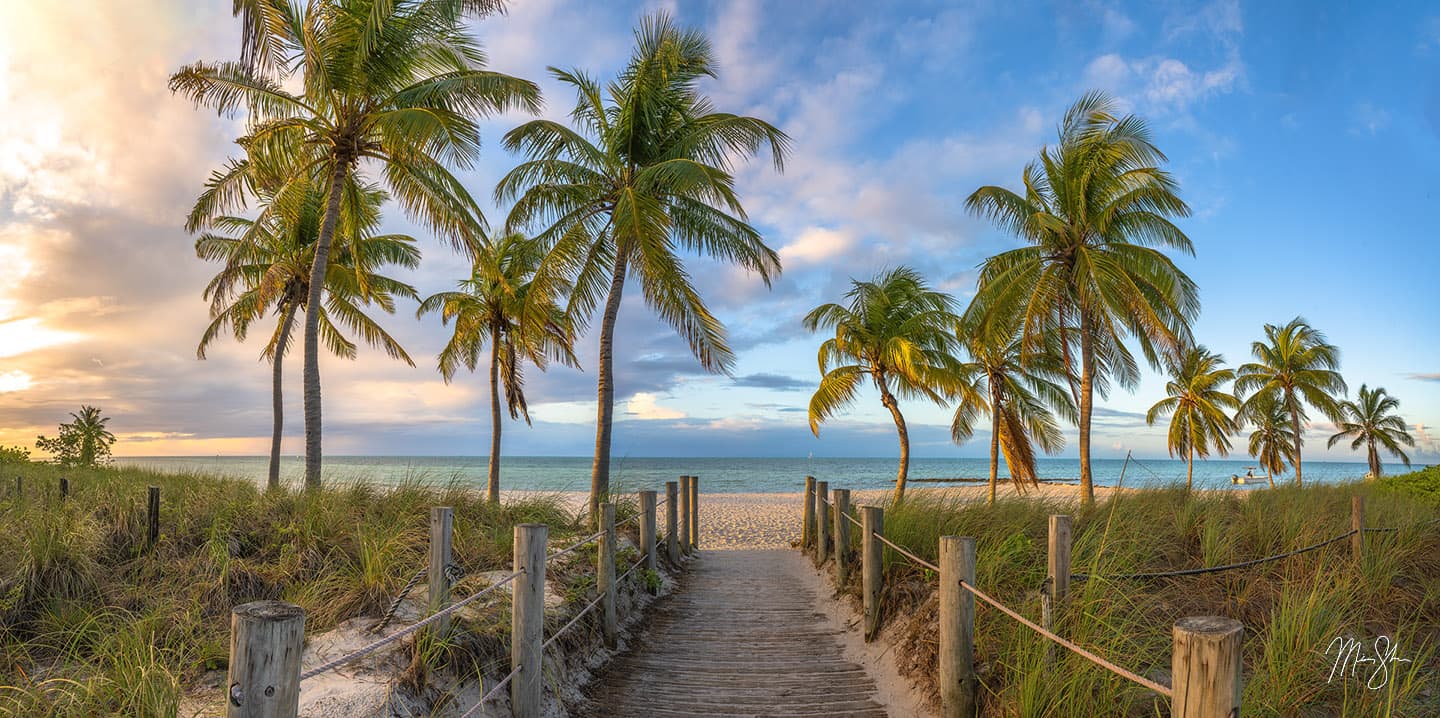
column 739, row 639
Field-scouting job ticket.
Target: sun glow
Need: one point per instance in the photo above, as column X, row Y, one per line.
column 14, row 381
column 19, row 336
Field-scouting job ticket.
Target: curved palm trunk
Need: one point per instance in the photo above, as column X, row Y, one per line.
column 1374, row 457
column 277, row 399
column 1087, row 400
column 1190, row 470
column 888, row 400
column 605, row 385
column 994, row 442
column 1295, row 424
column 312, row 323
column 494, row 489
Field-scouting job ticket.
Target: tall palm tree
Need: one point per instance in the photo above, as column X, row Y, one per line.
column 395, row 82
column 899, row 332
column 1272, row 443
column 644, row 176
column 92, row 434
column 490, row 307
column 267, row 263
column 1021, row 398
column 1197, row 406
column 1295, row 366
column 1372, row 423
column 1094, row 211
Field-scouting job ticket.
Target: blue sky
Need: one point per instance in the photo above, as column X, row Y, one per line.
column 1304, row 136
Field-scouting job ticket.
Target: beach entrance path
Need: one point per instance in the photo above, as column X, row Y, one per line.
column 740, row 638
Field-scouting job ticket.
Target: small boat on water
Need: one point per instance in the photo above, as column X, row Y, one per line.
column 1249, row 477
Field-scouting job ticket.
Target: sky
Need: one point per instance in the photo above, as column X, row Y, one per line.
column 1304, row 137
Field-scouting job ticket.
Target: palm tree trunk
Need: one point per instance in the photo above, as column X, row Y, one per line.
column 277, row 399
column 1087, row 399
column 1295, row 424
column 888, row 400
column 1190, row 471
column 605, row 385
column 994, row 441
column 1374, row 457
column 312, row 322
column 494, row 492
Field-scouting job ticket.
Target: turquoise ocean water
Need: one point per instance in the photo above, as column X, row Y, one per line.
column 726, row 475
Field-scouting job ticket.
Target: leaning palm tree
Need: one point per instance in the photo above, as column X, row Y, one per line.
column 489, row 308
column 644, row 177
column 1372, row 423
column 266, row 271
column 395, row 82
column 1197, row 406
column 1272, row 443
column 899, row 332
column 1094, row 212
column 1295, row 366
column 1021, row 398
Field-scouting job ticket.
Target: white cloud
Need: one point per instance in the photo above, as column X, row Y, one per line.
column 644, row 405
column 1161, row 84
column 14, row 380
column 816, row 245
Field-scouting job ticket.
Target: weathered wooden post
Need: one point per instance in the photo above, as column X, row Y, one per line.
column 694, row 514
column 266, row 640
column 822, row 522
column 842, row 537
column 1357, row 524
column 685, row 515
column 527, row 621
column 647, row 527
column 958, row 695
column 605, row 571
column 152, row 517
column 872, row 520
column 442, row 524
column 807, row 512
column 1057, row 579
column 672, row 537
column 1205, row 667
column 64, row 488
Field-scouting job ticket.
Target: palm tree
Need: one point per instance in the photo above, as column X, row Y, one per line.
column 900, row 333
column 645, row 175
column 396, row 82
column 1093, row 211
column 1295, row 366
column 1273, row 441
column 1371, row 422
column 489, row 308
column 93, row 437
column 267, row 271
column 1022, row 399
column 1197, row 406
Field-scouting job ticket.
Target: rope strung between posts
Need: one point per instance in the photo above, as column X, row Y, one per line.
column 1117, row 670
column 399, row 599
column 853, row 520
column 907, row 554
column 377, row 645
column 575, row 547
column 1397, row 528
column 1213, row 569
column 491, row 693
column 588, row 608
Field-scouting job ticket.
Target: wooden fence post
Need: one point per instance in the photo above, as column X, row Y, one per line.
column 1205, row 667
column 527, row 621
column 822, row 522
column 266, row 640
column 695, row 514
column 672, row 537
column 647, row 527
column 442, row 524
column 64, row 488
column 872, row 519
column 605, row 573
column 152, row 517
column 1357, row 524
column 685, row 515
column 1057, row 578
column 958, row 695
column 807, row 513
column 842, row 537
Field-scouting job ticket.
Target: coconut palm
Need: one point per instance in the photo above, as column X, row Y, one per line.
column 395, row 82
column 1198, row 406
column 1272, row 443
column 266, row 271
column 1295, row 366
column 1022, row 399
column 644, row 176
column 1094, row 211
column 84, row 442
column 1372, row 423
column 489, row 308
column 900, row 333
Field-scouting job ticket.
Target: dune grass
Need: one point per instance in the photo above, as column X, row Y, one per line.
column 93, row 624
column 1292, row 609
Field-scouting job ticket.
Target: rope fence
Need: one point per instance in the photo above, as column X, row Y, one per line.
column 1214, row 569
column 494, row 691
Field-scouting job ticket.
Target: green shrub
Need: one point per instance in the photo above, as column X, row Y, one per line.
column 1423, row 484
